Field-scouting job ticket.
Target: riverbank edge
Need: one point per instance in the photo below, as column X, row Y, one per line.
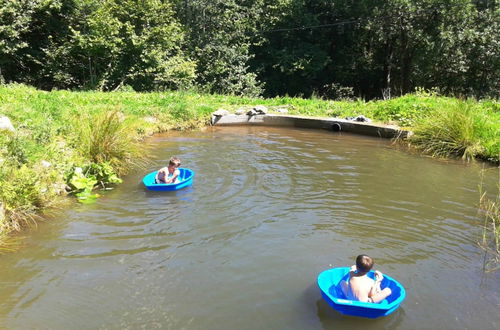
column 310, row 122
column 154, row 112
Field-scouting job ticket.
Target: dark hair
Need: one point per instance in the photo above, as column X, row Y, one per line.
column 175, row 161
column 364, row 263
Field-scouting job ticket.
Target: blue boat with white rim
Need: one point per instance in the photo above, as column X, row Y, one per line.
column 331, row 290
column 185, row 179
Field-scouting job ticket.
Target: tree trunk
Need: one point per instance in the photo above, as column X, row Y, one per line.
column 389, row 54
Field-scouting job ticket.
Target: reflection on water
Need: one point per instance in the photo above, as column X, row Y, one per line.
column 241, row 249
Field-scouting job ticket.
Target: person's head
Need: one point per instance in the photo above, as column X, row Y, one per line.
column 364, row 263
column 174, row 162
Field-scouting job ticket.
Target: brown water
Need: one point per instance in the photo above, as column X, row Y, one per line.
column 241, row 249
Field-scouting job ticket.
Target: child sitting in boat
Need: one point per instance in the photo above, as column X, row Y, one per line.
column 169, row 174
column 362, row 288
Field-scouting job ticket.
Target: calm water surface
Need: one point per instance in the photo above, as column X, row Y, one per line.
column 241, row 249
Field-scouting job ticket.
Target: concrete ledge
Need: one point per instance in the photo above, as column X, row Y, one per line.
column 331, row 124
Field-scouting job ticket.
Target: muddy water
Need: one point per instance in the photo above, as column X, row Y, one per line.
column 241, row 249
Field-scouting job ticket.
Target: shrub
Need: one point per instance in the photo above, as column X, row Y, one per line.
column 461, row 129
column 106, row 138
column 83, row 180
column 25, row 190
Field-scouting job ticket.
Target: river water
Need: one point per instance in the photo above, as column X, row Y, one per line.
column 270, row 208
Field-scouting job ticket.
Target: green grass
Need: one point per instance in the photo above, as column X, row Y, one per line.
column 75, row 140
column 105, row 138
column 463, row 129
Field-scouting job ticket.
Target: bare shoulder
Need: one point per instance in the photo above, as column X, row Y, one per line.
column 367, row 281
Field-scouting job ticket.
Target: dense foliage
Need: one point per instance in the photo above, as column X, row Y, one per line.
column 335, row 49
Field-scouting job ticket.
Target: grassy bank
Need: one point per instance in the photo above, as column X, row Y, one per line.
column 73, row 141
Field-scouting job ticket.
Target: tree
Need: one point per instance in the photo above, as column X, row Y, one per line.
column 466, row 59
column 138, row 43
column 379, row 48
column 100, row 44
column 295, row 47
column 289, row 59
column 219, row 36
column 27, row 28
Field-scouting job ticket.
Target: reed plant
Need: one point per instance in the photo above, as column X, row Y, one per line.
column 107, row 138
column 9, row 243
column 489, row 210
column 462, row 129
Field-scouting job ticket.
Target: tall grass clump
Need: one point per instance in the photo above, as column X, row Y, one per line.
column 490, row 241
column 107, row 138
column 460, row 129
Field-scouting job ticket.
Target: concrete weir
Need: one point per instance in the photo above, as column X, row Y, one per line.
column 331, row 124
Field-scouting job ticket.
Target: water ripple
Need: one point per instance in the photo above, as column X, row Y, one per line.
column 264, row 202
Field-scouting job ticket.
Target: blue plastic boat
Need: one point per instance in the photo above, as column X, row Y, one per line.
column 331, row 290
column 185, row 180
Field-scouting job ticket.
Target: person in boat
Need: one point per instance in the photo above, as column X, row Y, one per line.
column 169, row 174
column 360, row 287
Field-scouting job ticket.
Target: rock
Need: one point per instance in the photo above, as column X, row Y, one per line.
column 46, row 163
column 240, row 111
column 359, row 118
column 150, row 119
column 6, row 125
column 282, row 110
column 362, row 118
column 260, row 109
column 220, row 112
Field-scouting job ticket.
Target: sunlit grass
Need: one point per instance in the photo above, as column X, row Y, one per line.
column 461, row 130
column 107, row 138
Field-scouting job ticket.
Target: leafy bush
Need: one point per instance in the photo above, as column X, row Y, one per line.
column 336, row 91
column 103, row 173
column 25, row 189
column 82, row 181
